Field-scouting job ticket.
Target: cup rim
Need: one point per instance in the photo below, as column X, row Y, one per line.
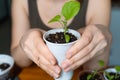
column 60, row 29
column 6, row 57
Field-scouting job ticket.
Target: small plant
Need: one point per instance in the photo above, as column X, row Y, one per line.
column 69, row 10
column 113, row 76
column 92, row 75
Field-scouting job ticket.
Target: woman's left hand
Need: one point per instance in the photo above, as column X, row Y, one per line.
column 94, row 39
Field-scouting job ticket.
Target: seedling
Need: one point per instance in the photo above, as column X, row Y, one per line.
column 69, row 10
column 113, row 77
column 92, row 75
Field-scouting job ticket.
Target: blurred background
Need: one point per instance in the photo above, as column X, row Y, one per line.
column 5, row 30
column 5, row 26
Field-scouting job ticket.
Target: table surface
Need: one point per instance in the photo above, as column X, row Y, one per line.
column 35, row 73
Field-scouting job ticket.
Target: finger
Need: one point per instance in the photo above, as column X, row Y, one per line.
column 36, row 56
column 84, row 40
column 98, row 42
column 33, row 42
column 43, row 49
column 84, row 52
column 47, row 58
column 49, row 70
column 33, row 53
column 79, row 55
column 102, row 44
column 53, row 70
column 38, row 47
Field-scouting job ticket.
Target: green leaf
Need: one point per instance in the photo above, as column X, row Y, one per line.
column 108, row 75
column 55, row 19
column 117, row 68
column 89, row 77
column 112, row 77
column 101, row 63
column 67, row 38
column 70, row 9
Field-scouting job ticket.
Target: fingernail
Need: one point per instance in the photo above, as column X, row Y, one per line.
column 57, row 70
column 66, row 70
column 55, row 75
column 64, row 65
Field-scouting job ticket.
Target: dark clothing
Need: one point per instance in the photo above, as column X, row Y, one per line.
column 36, row 22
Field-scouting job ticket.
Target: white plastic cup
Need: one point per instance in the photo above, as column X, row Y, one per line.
column 109, row 70
column 59, row 50
column 9, row 60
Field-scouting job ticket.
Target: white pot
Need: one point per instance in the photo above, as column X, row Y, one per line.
column 59, row 50
column 6, row 59
column 109, row 70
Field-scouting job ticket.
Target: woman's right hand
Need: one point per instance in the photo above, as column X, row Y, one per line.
column 37, row 51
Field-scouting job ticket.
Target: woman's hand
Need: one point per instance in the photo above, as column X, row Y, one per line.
column 94, row 39
column 36, row 50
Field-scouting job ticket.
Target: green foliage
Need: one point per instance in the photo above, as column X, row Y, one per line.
column 55, row 19
column 67, row 38
column 117, row 68
column 69, row 10
column 101, row 63
column 111, row 77
column 91, row 76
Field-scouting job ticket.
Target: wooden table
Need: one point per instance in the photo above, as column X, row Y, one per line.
column 35, row 73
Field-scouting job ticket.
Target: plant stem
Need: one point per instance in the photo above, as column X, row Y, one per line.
column 94, row 73
column 66, row 36
column 65, row 26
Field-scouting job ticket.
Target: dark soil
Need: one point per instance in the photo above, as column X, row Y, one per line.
column 113, row 74
column 59, row 37
column 85, row 74
column 4, row 66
